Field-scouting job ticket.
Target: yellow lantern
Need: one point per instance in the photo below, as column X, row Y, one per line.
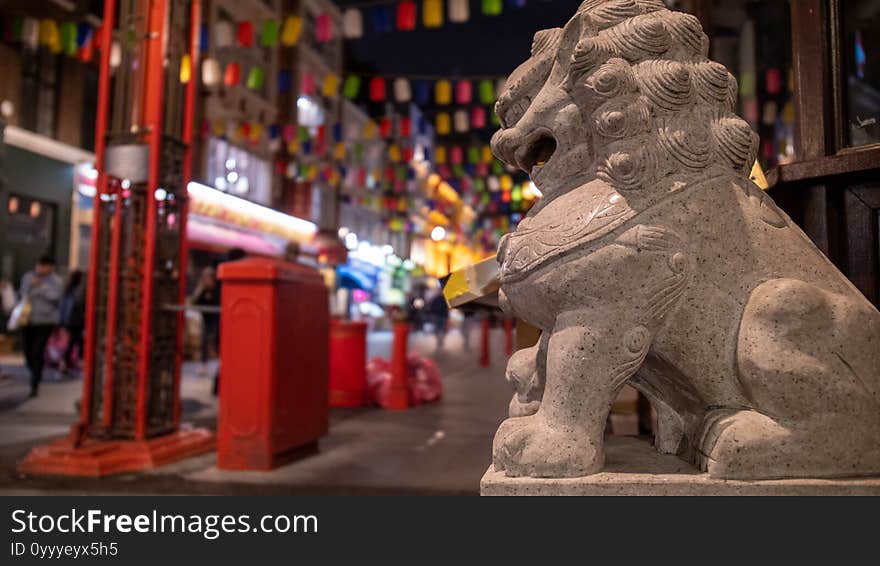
column 330, row 88
column 291, row 31
column 506, row 182
column 444, row 124
column 432, row 13
column 443, row 92
column 185, row 68
column 440, row 155
column 486, row 154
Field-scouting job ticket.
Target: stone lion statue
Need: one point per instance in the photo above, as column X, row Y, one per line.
column 653, row 260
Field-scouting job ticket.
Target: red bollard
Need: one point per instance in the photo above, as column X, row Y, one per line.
column 398, row 395
column 508, row 336
column 274, row 362
column 485, row 360
column 348, row 363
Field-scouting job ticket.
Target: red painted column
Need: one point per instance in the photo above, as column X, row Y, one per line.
column 485, row 359
column 508, row 336
column 398, row 396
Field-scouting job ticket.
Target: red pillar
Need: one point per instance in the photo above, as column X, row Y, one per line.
column 398, row 396
column 508, row 336
column 485, row 360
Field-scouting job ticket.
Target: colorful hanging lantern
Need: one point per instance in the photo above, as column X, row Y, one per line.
column 185, row 74
column 517, row 3
column 486, row 90
column 210, row 72
column 50, row 36
column 444, row 124
column 394, row 153
column 459, row 11
column 443, row 92
column 30, row 33
column 440, row 155
column 324, row 28
column 461, row 122
column 493, row 184
column 478, row 117
column 406, row 15
column 377, row 89
column 432, row 13
column 68, row 39
column 486, row 154
column 223, row 34
column 463, row 92
column 421, row 93
column 285, row 81
column 473, row 155
column 256, row 78
column 493, row 7
column 307, row 84
column 269, row 33
column 370, row 130
column 381, row 17
column 330, row 87
column 385, row 127
column 291, row 31
column 402, row 90
column 352, row 24
column 456, row 155
column 245, row 34
column 352, row 87
column 232, row 74
column 84, row 33
column 405, row 127
column 506, row 182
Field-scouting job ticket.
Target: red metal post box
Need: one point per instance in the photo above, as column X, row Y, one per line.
column 348, row 363
column 274, row 360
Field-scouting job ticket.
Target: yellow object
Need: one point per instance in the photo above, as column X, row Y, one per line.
column 444, row 124
column 49, row 35
column 443, row 92
column 486, row 154
column 440, row 155
column 394, row 153
column 291, row 31
column 339, row 151
column 757, row 176
column 369, row 130
column 330, row 88
column 185, row 68
column 256, row 131
column 472, row 282
column 432, row 13
column 293, row 146
column 506, row 182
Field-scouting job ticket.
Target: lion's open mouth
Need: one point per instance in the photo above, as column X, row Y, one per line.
column 532, row 156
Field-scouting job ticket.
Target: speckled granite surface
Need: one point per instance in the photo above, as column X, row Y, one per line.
column 633, row 467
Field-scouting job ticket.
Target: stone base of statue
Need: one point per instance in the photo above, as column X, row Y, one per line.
column 634, row 467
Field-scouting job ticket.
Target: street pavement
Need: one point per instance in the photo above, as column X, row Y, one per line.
column 440, row 449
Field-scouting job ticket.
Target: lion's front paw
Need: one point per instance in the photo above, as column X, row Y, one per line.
column 528, row 446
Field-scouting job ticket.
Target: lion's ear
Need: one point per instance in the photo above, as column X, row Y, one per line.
column 581, row 25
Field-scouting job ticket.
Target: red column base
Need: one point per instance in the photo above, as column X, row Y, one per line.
column 96, row 458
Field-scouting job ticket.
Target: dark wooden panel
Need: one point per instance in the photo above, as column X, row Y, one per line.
column 862, row 242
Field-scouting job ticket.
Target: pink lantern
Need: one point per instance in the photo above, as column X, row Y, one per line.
column 464, row 92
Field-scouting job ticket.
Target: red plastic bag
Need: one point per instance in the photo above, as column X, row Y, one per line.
column 423, row 379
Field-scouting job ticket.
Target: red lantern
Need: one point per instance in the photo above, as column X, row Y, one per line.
column 482, row 169
column 456, row 155
column 385, row 127
column 307, row 84
column 406, row 16
column 405, row 127
column 245, row 34
column 389, row 173
column 478, row 118
column 463, row 92
column 232, row 74
column 407, row 153
column 377, row 89
column 321, row 134
column 324, row 28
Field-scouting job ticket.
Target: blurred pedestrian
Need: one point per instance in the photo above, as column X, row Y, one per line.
column 42, row 288
column 207, row 295
column 438, row 310
column 73, row 318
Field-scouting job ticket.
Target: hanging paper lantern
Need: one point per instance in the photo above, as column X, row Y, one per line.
column 49, row 35
column 487, row 92
column 506, row 182
column 486, row 154
column 232, row 74
column 517, row 3
column 288, row 134
column 291, row 31
column 497, row 167
column 204, row 38
column 493, row 184
column 473, row 154
column 444, row 124
column 337, row 132
column 456, row 155
column 443, row 92
column 394, row 153
column 463, row 92
column 223, row 34
column 377, row 89
column 432, row 13
column 421, row 93
column 256, row 77
column 307, row 84
column 84, row 33
column 440, row 155
column 86, row 51
column 210, row 72
column 30, row 33
column 405, row 127
column 493, row 7
column 324, row 28
column 385, row 127
column 402, row 90
column 369, row 130
column 352, row 24
column 185, row 74
column 478, row 117
column 381, row 17
column 482, row 169
column 352, row 87
column 461, row 122
column 407, row 153
column 256, row 133
column 330, row 87
column 406, row 15
column 459, row 11
column 68, row 39
column 269, row 33
column 285, row 81
column 245, row 34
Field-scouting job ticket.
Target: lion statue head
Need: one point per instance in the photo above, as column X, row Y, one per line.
column 623, row 93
